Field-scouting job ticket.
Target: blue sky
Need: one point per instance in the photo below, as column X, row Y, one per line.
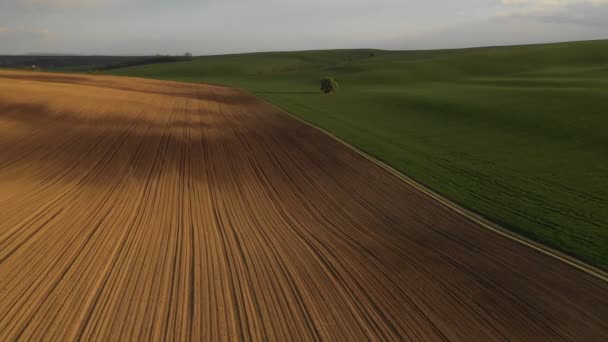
column 216, row 26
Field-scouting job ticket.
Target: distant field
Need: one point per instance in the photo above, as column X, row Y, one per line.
column 517, row 134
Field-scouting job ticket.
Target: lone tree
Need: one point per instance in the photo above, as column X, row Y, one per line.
column 329, row 85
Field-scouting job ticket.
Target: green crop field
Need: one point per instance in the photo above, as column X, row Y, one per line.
column 517, row 134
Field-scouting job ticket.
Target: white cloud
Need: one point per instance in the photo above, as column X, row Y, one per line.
column 42, row 33
column 65, row 3
column 531, row 7
column 579, row 12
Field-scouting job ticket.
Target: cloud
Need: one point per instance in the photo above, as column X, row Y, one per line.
column 65, row 3
column 532, row 7
column 45, row 33
column 582, row 12
column 34, row 32
column 25, row 40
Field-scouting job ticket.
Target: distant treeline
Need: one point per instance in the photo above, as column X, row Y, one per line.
column 83, row 63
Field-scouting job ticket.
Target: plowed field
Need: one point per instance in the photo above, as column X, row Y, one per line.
column 139, row 209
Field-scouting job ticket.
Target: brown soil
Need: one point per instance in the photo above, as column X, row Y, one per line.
column 139, row 209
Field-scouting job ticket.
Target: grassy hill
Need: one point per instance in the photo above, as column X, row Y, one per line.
column 66, row 63
column 518, row 134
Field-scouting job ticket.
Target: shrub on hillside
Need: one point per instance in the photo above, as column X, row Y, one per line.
column 329, row 85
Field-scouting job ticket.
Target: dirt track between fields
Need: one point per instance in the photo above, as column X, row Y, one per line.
column 140, row 209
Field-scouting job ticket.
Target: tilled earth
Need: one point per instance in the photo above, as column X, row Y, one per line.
column 145, row 210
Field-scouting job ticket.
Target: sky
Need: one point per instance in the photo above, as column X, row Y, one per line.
column 205, row 27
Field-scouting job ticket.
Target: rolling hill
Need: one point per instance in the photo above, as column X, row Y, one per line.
column 517, row 134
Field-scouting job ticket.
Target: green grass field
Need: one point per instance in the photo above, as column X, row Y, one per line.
column 517, row 134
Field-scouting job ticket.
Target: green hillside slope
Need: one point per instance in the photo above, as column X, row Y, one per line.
column 518, row 134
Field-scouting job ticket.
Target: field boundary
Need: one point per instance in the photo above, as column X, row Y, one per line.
column 470, row 215
column 467, row 213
